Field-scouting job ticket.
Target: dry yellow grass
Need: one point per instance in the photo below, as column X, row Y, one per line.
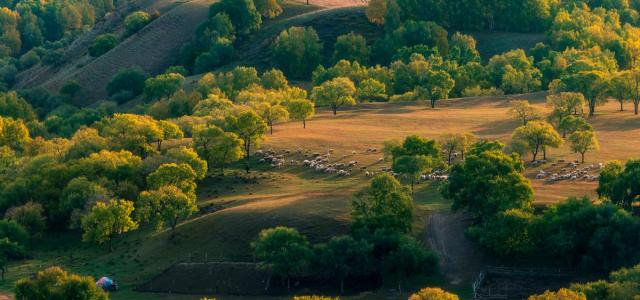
column 370, row 125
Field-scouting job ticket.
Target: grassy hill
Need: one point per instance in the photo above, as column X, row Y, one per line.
column 236, row 208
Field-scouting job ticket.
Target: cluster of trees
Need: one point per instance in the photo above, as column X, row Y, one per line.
column 132, row 24
column 34, row 32
column 379, row 243
column 228, row 20
column 567, row 115
column 489, row 184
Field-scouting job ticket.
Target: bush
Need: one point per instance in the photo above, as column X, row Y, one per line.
column 220, row 53
column 136, row 21
column 406, row 97
column 55, row 283
column 102, row 44
column 163, row 86
column 351, row 47
column 127, row 84
column 29, row 59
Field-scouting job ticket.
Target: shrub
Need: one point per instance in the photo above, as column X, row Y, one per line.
column 127, row 84
column 102, row 44
column 136, row 21
column 297, row 51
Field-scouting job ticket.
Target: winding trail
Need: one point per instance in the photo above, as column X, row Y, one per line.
column 460, row 259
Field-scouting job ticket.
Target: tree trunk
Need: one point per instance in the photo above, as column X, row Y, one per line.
column 433, row 103
column 582, row 157
column 544, row 153
column 341, row 286
column 335, row 109
column 304, row 123
column 621, row 106
column 592, row 108
column 159, row 145
column 449, row 159
column 271, row 128
column 110, row 244
column 535, row 153
column 635, row 107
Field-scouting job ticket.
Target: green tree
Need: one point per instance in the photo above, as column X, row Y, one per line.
column 537, row 136
column 335, row 93
column 136, row 21
column 189, row 156
column 489, row 181
column 435, row 85
column 13, row 133
column 55, row 283
column 562, row 294
column 384, row 204
column 249, row 127
column 523, row 111
column 243, row 13
column 620, row 185
column 297, row 51
column 408, row 260
column 219, row 148
column 166, row 206
column 371, row 90
column 621, row 87
column 271, row 113
column 106, row 220
column 268, row 8
column 127, row 84
column 16, row 107
column 301, row 110
column 593, row 85
column 71, row 89
column 133, row 132
column 343, row 257
column 180, row 175
column 413, row 166
column 30, row 215
column 351, row 47
column 274, row 79
column 564, row 105
column 452, row 142
column 509, row 232
column 163, row 86
column 79, row 193
column 102, row 44
column 583, row 141
column 572, row 124
column 284, row 251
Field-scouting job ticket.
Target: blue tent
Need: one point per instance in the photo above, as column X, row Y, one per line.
column 107, row 284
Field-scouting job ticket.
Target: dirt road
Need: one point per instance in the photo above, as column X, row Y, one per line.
column 336, row 3
column 460, row 259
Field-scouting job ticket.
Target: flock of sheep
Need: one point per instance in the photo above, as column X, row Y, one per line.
column 570, row 171
column 321, row 163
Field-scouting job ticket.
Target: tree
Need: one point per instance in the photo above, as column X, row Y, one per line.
column 169, row 131
column 30, row 215
column 408, row 260
column 413, row 166
column 79, row 193
column 435, row 85
column 537, row 136
column 271, row 113
column 133, row 132
column 620, row 185
column 351, row 47
column 55, row 283
column 166, row 206
column 284, row 251
column 163, row 86
column 219, row 148
column 562, row 294
column 14, row 232
column 489, row 181
column 572, row 124
column 16, row 107
column 102, row 44
column 453, row 142
column 523, row 111
column 592, row 84
column 13, row 133
column 335, row 93
column 565, row 104
column 433, row 294
column 127, row 84
column 180, row 175
column 297, row 51
column 70, row 89
column 635, row 89
column 249, row 127
column 189, row 156
column 376, row 10
column 301, row 110
column 371, row 90
column 384, row 204
column 509, row 233
column 621, row 87
column 344, row 257
column 106, row 220
column 243, row 13
column 136, row 21
column 583, row 141
column 268, row 8
column 274, row 79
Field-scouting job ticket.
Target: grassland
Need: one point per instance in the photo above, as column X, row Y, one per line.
column 236, row 208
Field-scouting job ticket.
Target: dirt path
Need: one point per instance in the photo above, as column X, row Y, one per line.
column 336, row 3
column 460, row 259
